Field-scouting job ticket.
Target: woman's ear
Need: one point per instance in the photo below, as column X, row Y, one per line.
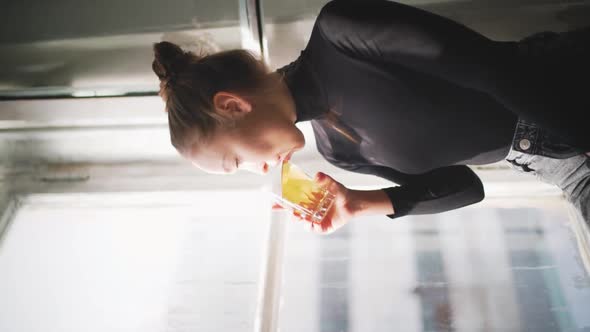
column 231, row 105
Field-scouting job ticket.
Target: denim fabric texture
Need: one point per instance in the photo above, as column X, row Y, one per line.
column 541, row 154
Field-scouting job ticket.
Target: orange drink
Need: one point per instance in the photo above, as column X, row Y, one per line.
column 300, row 193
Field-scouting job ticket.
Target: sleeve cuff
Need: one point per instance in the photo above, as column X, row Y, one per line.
column 401, row 205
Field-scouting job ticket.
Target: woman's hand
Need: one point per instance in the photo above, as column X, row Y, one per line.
column 339, row 214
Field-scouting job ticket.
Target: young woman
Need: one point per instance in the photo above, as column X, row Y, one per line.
column 396, row 92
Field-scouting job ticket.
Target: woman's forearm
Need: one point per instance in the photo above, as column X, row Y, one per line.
column 370, row 202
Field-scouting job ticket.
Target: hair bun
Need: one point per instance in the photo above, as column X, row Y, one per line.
column 169, row 60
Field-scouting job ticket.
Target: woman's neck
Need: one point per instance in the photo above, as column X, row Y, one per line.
column 285, row 97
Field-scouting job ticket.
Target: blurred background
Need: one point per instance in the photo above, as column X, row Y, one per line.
column 103, row 227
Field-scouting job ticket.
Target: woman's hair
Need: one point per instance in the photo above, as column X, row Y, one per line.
column 188, row 82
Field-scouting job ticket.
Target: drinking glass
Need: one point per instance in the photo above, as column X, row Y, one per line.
column 297, row 191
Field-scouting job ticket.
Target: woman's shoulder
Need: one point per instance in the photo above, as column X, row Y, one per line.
column 365, row 28
column 337, row 16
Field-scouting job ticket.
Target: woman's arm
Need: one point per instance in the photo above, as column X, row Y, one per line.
column 442, row 189
column 437, row 191
column 370, row 202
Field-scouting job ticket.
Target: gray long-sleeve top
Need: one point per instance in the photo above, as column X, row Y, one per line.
column 415, row 98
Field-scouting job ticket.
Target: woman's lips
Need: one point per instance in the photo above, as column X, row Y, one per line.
column 283, row 157
column 286, row 156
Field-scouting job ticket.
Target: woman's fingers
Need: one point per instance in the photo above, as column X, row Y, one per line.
column 277, row 206
column 321, row 177
column 327, row 181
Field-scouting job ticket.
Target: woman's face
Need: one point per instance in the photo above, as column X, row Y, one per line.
column 263, row 135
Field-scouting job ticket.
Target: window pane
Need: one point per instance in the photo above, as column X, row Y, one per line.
column 498, row 269
column 102, row 48
column 133, row 262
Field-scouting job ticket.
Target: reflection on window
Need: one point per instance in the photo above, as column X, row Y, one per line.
column 474, row 269
column 57, row 48
column 133, row 262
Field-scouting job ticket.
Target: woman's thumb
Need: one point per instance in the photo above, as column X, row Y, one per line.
column 319, row 177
